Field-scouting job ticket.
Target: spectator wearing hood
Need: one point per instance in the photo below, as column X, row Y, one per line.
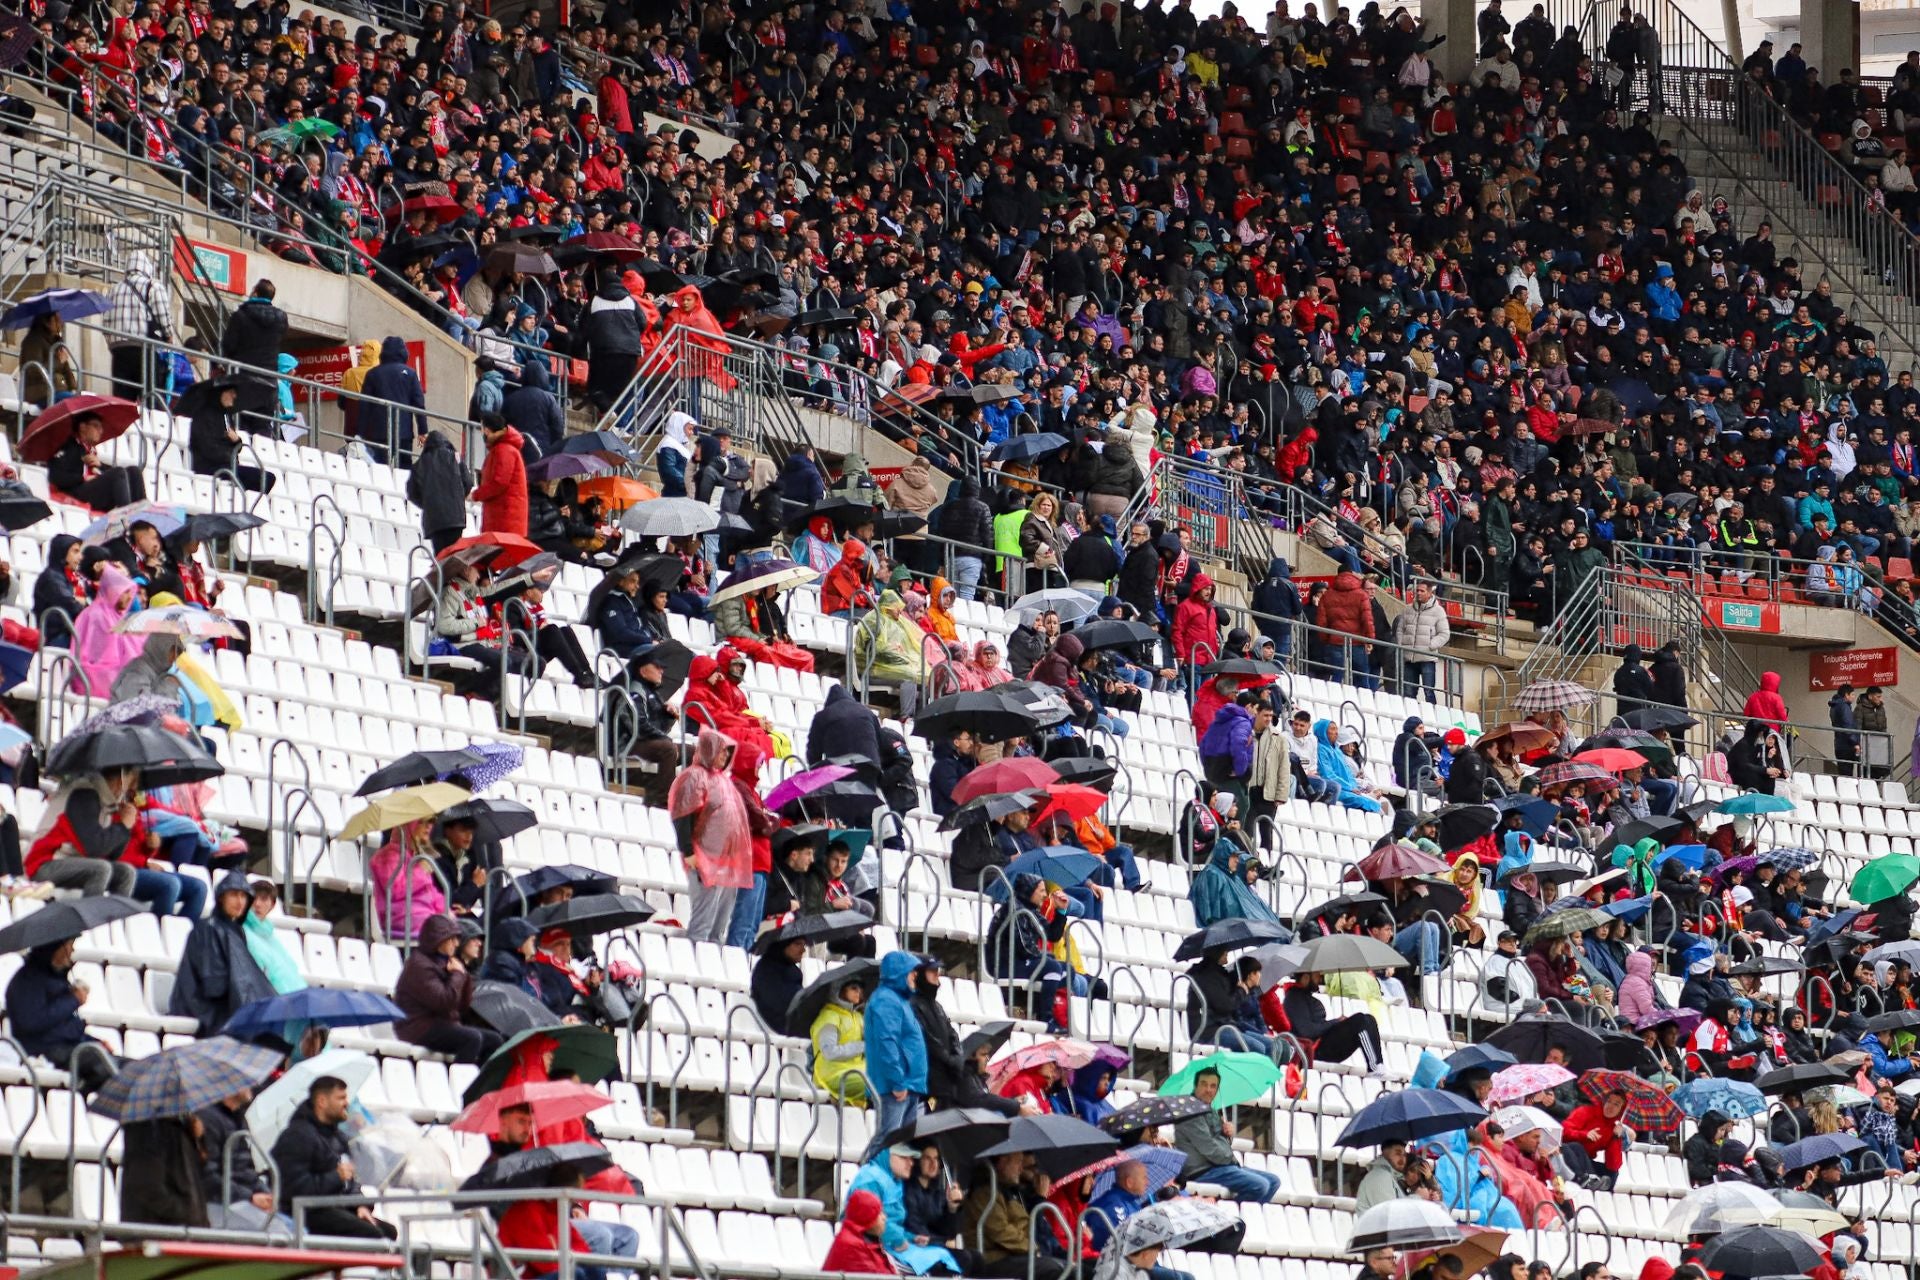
column 1702, row 1151
column 43, row 1013
column 896, row 1047
column 502, row 491
column 1765, row 703
column 61, row 591
column 217, row 973
column 434, row 990
column 395, row 424
column 856, row 1249
column 1633, row 683
column 1276, row 604
column 615, row 326
column 213, row 440
column 513, row 945
column 848, row 587
column 1196, row 627
column 966, row 520
column 533, row 411
column 1669, row 677
column 1412, row 760
column 438, row 484
column 712, row 828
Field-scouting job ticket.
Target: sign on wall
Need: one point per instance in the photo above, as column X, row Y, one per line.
column 1857, row 667
column 225, row 269
column 329, row 364
column 1744, row 615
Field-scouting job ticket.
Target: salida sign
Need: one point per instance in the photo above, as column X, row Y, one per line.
column 1857, row 667
column 327, row 365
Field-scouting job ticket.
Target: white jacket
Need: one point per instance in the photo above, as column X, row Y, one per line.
column 1423, row 627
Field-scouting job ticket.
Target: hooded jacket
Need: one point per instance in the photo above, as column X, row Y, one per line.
column 502, row 492
column 1635, row 998
column 801, row 482
column 1766, row 704
column 844, row 726
column 428, row 990
column 896, row 1047
column 54, row 590
column 1196, row 629
column 1116, row 473
column 438, row 485
column 704, row 802
column 1701, row 1152
column 1276, row 597
column 1669, row 677
column 392, row 380
column 853, row 1250
column 964, row 517
column 42, row 1010
column 1230, row 736
column 1632, row 683
column 1410, row 755
column 217, row 972
column 1347, row 607
column 532, row 410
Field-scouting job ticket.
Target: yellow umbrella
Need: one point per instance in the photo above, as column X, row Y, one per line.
column 225, row 710
column 402, row 807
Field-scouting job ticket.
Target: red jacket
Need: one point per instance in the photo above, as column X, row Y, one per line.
column 502, row 491
column 1195, row 626
column 1582, row 1122
column 853, row 1250
column 845, row 586
column 532, row 1224
column 1347, row 606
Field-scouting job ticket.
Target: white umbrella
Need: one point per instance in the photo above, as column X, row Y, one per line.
column 1070, row 603
column 670, row 518
column 1406, row 1223
column 178, row 620
column 274, row 1106
column 1520, row 1121
column 777, row 574
column 1712, row 1207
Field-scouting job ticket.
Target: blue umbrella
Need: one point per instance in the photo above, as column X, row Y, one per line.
column 1408, row 1115
column 1749, row 803
column 14, row 662
column 1478, row 1057
column 497, row 760
column 1628, row 909
column 1536, row 814
column 1690, row 856
column 68, row 304
column 1027, row 448
column 1729, row 1097
column 1061, row 864
column 320, row 1006
column 1163, row 1166
column 1833, row 924
column 1819, row 1149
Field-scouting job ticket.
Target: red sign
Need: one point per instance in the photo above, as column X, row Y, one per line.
column 1857, row 667
column 328, row 365
column 223, row 268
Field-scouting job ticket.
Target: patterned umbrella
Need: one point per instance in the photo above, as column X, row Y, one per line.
column 1151, row 1112
column 1649, row 1109
column 1729, row 1097
column 1792, row 858
column 1551, row 695
column 181, row 1080
column 1564, row 924
column 1526, row 1079
column 1744, row 865
column 1688, row 1020
column 1572, row 771
column 1397, row 861
column 1062, row 1052
column 498, row 759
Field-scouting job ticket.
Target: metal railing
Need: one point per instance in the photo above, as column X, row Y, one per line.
column 720, row 381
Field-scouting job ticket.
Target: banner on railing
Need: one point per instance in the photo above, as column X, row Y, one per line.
column 328, row 364
column 223, row 268
column 1743, row 615
column 1857, row 667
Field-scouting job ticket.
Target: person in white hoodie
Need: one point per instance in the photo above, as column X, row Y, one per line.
column 1421, row 629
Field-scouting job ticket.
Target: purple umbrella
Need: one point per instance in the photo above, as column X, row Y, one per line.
column 802, row 785
column 1688, row 1020
column 497, row 760
column 559, row 466
column 1744, row 865
column 143, row 708
column 1163, row 1166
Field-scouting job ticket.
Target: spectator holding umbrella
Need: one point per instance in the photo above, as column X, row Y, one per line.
column 76, row 471
column 406, row 891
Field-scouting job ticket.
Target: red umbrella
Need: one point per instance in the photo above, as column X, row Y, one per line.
column 511, row 548
column 1072, row 799
column 1004, row 776
column 1397, row 861
column 1649, row 1109
column 444, row 208
column 607, row 244
column 551, row 1101
column 1612, row 759
column 50, row 431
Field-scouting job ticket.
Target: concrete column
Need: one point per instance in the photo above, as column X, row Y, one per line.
column 1455, row 20
column 1830, row 37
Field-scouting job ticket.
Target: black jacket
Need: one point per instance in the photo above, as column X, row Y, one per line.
column 1633, row 683
column 208, row 449
column 439, row 484
column 1140, row 579
column 219, row 1124
column 253, row 335
column 1090, row 558
column 1116, row 473
column 949, row 766
column 1276, row 597
column 1669, row 679
column 1212, row 1001
column 1467, row 779
column 776, row 981
column 67, row 469
column 166, row 1187
column 217, row 973
column 964, row 517
column 42, row 1010
column 308, row 1155
column 844, row 727
column 52, row 590
column 1025, row 648
column 943, row 1047
column 614, row 325
column 532, row 410
column 392, row 380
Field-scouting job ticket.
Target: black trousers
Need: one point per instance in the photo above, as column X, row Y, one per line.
column 130, row 366
column 1356, row 1031
column 335, row 1221
column 441, row 539
column 660, row 752
column 466, row 1044
column 555, row 643
column 113, row 487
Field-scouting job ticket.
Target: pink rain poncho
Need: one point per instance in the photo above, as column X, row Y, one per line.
column 722, row 842
column 97, row 648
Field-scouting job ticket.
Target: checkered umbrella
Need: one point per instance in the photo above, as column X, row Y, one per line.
column 1573, row 771
column 181, row 1080
column 1551, row 695
column 1649, row 1109
column 1792, row 858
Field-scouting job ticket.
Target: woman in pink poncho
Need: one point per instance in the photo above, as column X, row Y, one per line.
column 404, row 890
column 98, row 650
column 984, row 670
column 710, row 820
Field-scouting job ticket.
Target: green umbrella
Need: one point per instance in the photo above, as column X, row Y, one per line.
column 1887, row 877
column 588, row 1052
column 299, row 131
column 1564, row 924
column 1244, row 1077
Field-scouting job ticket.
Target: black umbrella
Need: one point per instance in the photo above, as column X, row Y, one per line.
column 813, row 998
column 1088, row 771
column 19, row 509
column 508, row 1009
column 1241, row 667
column 202, row 395
column 844, row 510
column 1112, row 633
column 537, row 1166
column 1648, row 719
column 1658, row 828
column 1230, row 935
column 831, row 926
column 1760, row 1251
column 988, row 808
column 660, row 278
column 602, row 443
column 896, row 524
column 521, row 894
column 595, row 913
column 68, row 918
column 494, row 820
column 212, row 526
column 1765, row 966
column 816, row 834
column 1151, row 1112
column 674, row 659
column 1894, row 1020
column 525, row 258
column 164, row 758
column 844, row 789
column 986, row 713
column 534, row 231
column 1464, row 823
column 419, row 766
column 828, row 318
column 991, row 1036
column 1058, row 1144
column 1041, row 701
column 1357, row 903
column 961, row 1134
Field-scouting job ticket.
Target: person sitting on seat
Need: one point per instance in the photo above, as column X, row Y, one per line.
column 838, row 1034
column 76, row 470
column 1207, row 1142
column 434, row 990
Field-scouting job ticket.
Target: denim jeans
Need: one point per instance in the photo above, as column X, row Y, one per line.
column 161, row 890
column 748, row 905
column 1121, row 859
column 1419, row 942
column 1112, row 724
column 615, row 1239
column 1661, row 793
column 1240, row 1182
column 889, row 1114
column 1312, row 788
column 1422, row 674
column 1356, row 659
column 966, row 575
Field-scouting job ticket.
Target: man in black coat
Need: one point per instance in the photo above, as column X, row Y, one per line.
column 395, row 424
column 43, row 1012
column 776, row 981
column 1140, row 572
column 213, row 439
column 1632, row 683
column 1669, row 677
column 952, row 761
column 253, row 337
column 77, row 472
column 532, row 410
column 1090, row 559
column 311, row 1154
column 945, row 1067
column 844, row 726
column 438, row 485
column 239, row 1195
column 614, row 326
column 965, row 519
